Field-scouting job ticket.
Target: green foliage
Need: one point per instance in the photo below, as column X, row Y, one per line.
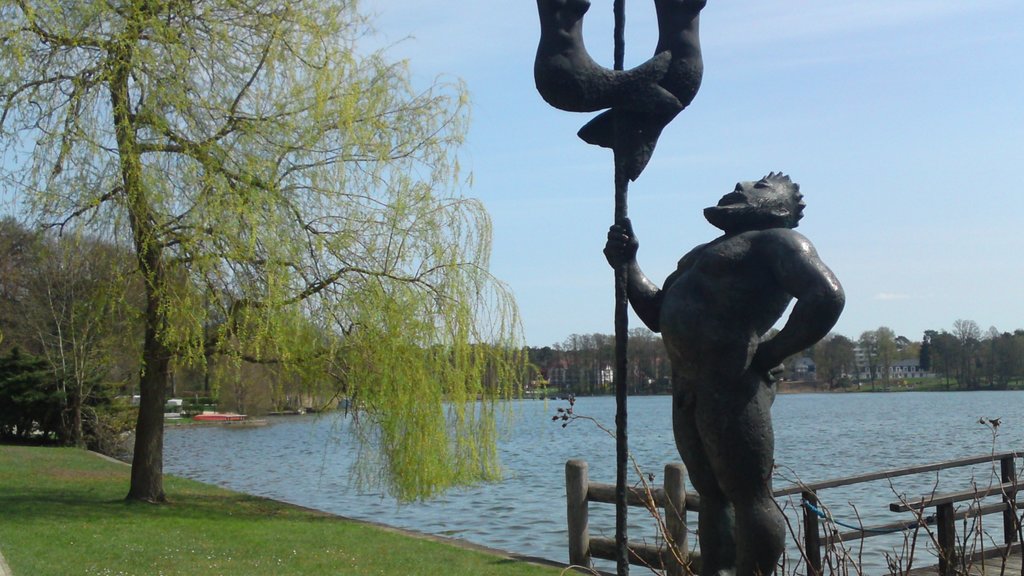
column 70, row 302
column 290, row 200
column 440, row 430
column 30, row 401
column 885, row 351
column 107, row 428
column 834, row 357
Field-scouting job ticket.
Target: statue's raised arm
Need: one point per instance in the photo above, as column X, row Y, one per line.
column 644, row 295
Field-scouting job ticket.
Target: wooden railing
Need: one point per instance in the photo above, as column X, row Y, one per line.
column 675, row 502
column 943, row 519
column 672, row 499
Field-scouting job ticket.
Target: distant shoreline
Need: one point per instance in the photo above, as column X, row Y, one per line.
column 798, row 388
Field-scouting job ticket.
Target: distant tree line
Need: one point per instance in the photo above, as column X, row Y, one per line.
column 968, row 358
column 963, row 358
column 582, row 364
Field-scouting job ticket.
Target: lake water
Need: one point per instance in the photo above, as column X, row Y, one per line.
column 306, row 461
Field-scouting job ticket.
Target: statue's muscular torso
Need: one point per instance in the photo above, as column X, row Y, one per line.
column 723, row 296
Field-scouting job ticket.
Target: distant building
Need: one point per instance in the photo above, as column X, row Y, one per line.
column 803, row 369
column 899, row 370
column 908, row 369
column 861, row 365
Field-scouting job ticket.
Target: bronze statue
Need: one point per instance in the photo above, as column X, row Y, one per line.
column 713, row 312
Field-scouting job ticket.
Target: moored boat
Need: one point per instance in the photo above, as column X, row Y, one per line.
column 219, row 417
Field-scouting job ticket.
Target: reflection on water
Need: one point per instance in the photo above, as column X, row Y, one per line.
column 306, row 460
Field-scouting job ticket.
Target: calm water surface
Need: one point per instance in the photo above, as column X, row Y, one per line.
column 306, row 460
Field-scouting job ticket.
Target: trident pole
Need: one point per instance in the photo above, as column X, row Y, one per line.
column 637, row 107
column 621, row 331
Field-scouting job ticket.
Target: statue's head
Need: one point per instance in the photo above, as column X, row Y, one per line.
column 774, row 201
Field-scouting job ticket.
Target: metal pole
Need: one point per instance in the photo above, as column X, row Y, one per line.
column 620, row 34
column 621, row 333
column 621, row 440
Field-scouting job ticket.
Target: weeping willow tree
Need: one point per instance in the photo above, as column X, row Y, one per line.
column 287, row 199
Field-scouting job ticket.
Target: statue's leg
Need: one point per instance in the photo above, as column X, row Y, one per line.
column 715, row 518
column 736, row 427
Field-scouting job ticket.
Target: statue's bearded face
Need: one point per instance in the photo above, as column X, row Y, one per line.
column 771, row 202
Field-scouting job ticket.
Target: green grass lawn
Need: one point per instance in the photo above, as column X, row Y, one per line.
column 62, row 512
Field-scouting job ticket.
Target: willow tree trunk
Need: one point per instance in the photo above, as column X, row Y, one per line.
column 147, row 482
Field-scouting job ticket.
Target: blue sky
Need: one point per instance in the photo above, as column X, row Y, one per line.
column 901, row 119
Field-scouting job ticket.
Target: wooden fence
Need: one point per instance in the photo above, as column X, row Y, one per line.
column 675, row 502
column 943, row 520
column 671, row 499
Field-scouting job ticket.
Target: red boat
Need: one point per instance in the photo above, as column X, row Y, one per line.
column 219, row 417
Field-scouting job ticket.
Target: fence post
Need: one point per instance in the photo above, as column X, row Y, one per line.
column 577, row 512
column 812, row 537
column 1008, row 472
column 946, row 524
column 675, row 518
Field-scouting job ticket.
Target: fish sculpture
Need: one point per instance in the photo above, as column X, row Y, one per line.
column 569, row 79
column 679, row 34
column 639, row 102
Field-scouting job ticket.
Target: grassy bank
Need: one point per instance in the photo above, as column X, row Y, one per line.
column 62, row 512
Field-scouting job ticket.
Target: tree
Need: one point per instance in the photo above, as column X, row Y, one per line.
column 18, row 256
column 1004, row 359
column 924, row 354
column 885, row 351
column 834, row 357
column 268, row 175
column 868, row 344
column 1000, row 358
column 77, row 308
column 30, row 401
column 65, row 299
column 647, row 361
column 943, row 353
column 968, row 337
